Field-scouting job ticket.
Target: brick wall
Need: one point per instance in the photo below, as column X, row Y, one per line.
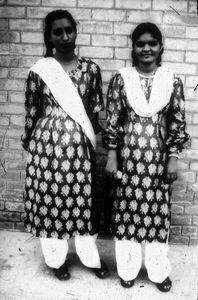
column 103, row 35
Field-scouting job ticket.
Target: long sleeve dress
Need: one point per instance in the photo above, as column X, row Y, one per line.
column 60, row 173
column 141, row 205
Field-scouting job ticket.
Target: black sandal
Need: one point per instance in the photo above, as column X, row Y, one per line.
column 102, row 272
column 127, row 283
column 165, row 286
column 62, row 273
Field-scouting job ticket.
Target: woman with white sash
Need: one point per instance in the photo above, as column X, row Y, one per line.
column 63, row 99
column 145, row 134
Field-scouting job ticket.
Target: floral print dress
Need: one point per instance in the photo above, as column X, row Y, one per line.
column 141, row 205
column 60, row 173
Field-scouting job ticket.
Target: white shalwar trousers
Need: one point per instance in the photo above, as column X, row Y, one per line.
column 129, row 260
column 55, row 251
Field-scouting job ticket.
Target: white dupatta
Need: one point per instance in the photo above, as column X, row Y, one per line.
column 160, row 94
column 65, row 93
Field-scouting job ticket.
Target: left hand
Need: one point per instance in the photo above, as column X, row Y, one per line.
column 171, row 172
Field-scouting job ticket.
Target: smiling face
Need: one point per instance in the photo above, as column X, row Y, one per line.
column 63, row 36
column 147, row 49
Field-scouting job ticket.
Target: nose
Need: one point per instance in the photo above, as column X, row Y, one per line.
column 146, row 47
column 65, row 36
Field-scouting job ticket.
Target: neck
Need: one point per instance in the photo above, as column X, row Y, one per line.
column 149, row 69
column 65, row 57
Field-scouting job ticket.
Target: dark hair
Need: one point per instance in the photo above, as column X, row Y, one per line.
column 146, row 28
column 49, row 19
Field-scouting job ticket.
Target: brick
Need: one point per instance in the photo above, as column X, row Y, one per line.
column 83, row 39
column 135, row 16
column 109, row 65
column 192, row 130
column 173, row 18
column 97, row 3
column 166, row 5
column 13, row 85
column 14, row 206
column 12, row 12
column 193, row 241
column 59, row 3
column 17, row 120
column 175, row 239
column 109, row 40
column 124, row 53
column 15, row 144
column 192, row 7
column 2, row 205
column 191, row 81
column 173, row 31
column 182, row 198
column 3, row 73
column 20, row 49
column 191, row 94
column 192, row 210
column 18, row 97
column 177, row 209
column 3, row 24
column 11, row 109
column 18, row 73
column 27, row 61
column 16, row 165
column 194, row 143
column 183, row 165
column 176, row 56
column 32, row 37
column 13, row 175
column 178, row 44
column 189, row 118
column 6, row 225
column 9, row 216
column 193, row 187
column 175, row 230
column 109, row 15
column 194, row 166
column 191, row 57
column 97, row 52
column 4, row 49
column 128, row 4
column 189, row 230
column 25, row 24
column 96, row 27
column 106, row 76
column 3, row 96
column 20, row 226
column 123, row 28
column 181, row 68
column 195, row 220
column 4, row 121
column 14, row 133
column 9, row 61
column 192, row 32
column 180, row 220
column 191, row 106
column 9, row 37
column 187, row 176
column 23, row 2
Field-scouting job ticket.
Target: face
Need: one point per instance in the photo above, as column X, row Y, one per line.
column 147, row 49
column 63, row 36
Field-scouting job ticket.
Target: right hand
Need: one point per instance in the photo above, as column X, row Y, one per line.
column 112, row 163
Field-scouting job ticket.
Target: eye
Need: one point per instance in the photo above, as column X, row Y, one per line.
column 153, row 43
column 140, row 44
column 69, row 30
column 58, row 31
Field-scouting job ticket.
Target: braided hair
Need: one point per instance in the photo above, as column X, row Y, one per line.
column 146, row 28
column 49, row 19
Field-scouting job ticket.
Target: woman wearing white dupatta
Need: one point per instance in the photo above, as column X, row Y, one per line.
column 63, row 98
column 144, row 135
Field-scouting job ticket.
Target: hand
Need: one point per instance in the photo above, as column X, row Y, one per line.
column 112, row 164
column 171, row 172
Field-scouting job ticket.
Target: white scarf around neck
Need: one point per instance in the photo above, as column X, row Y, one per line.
column 162, row 89
column 65, row 93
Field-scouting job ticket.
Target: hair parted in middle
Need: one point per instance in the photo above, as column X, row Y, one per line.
column 49, row 19
column 146, row 28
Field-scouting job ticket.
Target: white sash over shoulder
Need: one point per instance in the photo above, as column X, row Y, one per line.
column 160, row 94
column 65, row 93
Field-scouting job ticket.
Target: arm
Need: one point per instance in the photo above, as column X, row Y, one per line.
column 177, row 136
column 113, row 134
column 32, row 108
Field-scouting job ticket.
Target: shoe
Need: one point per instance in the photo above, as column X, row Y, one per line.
column 62, row 273
column 102, row 272
column 127, row 283
column 165, row 286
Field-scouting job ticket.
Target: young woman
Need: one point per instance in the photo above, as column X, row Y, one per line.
column 144, row 135
column 63, row 98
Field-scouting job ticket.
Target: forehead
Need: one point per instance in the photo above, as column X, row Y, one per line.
column 63, row 22
column 146, row 37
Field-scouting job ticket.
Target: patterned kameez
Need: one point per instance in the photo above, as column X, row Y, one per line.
column 141, row 207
